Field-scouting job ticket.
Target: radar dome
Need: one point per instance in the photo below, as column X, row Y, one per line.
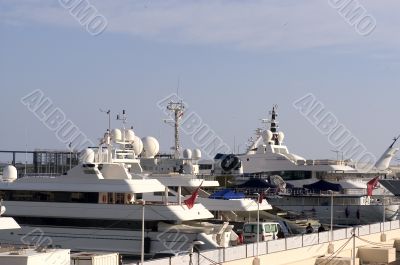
column 137, row 145
column 267, row 136
column 277, row 181
column 187, row 154
column 129, row 135
column 196, row 154
column 281, row 136
column 87, row 156
column 9, row 173
column 150, row 147
column 116, row 135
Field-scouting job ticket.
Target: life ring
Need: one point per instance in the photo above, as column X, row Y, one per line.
column 104, row 198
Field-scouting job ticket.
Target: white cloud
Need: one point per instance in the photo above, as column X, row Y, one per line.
column 251, row 24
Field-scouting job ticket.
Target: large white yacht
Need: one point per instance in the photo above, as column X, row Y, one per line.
column 98, row 205
column 178, row 171
column 268, row 158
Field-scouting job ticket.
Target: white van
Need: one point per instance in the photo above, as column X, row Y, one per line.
column 268, row 231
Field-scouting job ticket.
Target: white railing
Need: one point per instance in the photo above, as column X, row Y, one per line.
column 221, row 255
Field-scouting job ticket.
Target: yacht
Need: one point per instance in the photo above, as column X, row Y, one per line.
column 288, row 174
column 99, row 206
column 179, row 172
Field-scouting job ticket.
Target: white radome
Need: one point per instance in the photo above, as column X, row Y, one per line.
column 196, row 154
column 151, row 147
column 87, row 156
column 281, row 136
column 267, row 136
column 137, row 145
column 187, row 154
column 116, row 135
column 10, row 173
column 129, row 135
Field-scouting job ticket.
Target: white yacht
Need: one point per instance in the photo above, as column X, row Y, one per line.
column 267, row 157
column 98, row 205
column 178, row 171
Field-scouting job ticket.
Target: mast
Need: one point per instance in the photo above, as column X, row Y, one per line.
column 177, row 108
column 274, row 124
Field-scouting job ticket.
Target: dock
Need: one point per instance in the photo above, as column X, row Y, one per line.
column 381, row 238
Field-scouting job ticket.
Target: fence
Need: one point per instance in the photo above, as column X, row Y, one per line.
column 218, row 256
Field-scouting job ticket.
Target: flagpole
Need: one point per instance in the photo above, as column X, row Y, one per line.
column 258, row 223
column 142, row 250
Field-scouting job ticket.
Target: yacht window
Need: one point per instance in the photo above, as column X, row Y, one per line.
column 49, row 196
column 119, row 198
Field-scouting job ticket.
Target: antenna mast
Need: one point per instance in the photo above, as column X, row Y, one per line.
column 177, row 108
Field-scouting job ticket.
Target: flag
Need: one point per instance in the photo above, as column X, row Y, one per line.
column 192, row 199
column 261, row 197
column 372, row 185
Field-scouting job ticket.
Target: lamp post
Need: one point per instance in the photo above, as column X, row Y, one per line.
column 142, row 248
column 256, row 260
column 330, row 245
column 383, row 235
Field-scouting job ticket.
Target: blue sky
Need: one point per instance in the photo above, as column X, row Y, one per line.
column 235, row 59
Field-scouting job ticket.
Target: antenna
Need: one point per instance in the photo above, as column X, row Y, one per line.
column 178, row 109
column 178, row 87
column 123, row 118
column 26, row 151
column 394, row 141
column 108, row 112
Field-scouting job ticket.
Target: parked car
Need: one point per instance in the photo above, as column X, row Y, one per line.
column 267, row 231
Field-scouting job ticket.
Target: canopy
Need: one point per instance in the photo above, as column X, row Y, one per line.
column 323, row 185
column 227, row 194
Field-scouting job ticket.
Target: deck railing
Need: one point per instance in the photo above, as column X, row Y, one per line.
column 221, row 255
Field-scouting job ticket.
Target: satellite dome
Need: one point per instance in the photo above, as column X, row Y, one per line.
column 267, row 136
column 9, row 173
column 187, row 154
column 129, row 135
column 137, row 145
column 151, row 147
column 281, row 136
column 87, row 156
column 196, row 154
column 116, row 135
column 277, row 181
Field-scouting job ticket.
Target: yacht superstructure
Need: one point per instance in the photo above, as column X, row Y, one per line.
column 98, row 206
column 178, row 172
column 268, row 158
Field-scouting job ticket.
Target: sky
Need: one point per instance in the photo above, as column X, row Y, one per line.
column 230, row 61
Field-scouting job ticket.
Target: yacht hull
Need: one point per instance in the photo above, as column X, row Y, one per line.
column 108, row 240
column 344, row 214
